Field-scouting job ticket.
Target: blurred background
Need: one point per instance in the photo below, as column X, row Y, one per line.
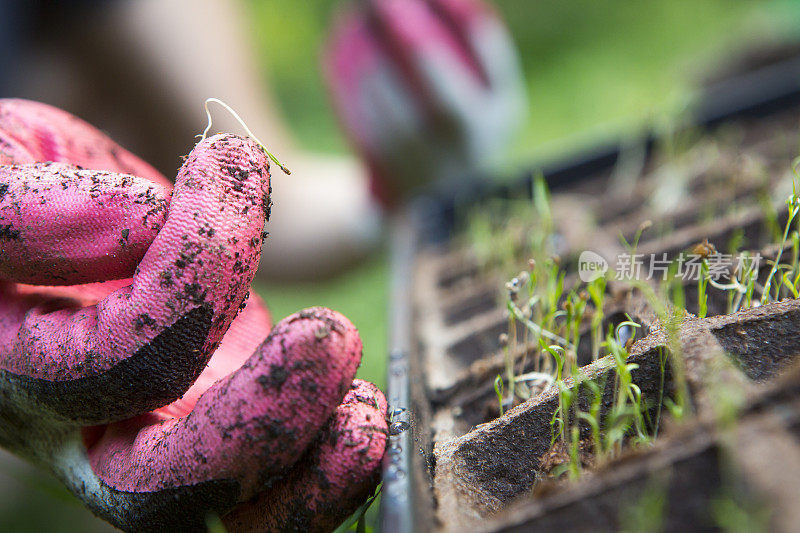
column 593, row 71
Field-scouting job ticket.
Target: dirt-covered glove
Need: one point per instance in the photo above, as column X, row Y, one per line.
column 133, row 366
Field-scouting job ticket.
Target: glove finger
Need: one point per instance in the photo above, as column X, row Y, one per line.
column 60, row 225
column 245, row 334
column 49, row 134
column 144, row 345
column 248, row 330
column 244, row 432
column 333, row 479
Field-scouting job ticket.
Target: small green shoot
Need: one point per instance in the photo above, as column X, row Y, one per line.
column 498, row 389
column 793, row 202
column 357, row 521
column 702, row 285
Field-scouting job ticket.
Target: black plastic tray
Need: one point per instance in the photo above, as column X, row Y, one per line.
column 432, row 219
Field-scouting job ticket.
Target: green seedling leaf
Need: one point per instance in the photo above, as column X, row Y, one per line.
column 498, row 390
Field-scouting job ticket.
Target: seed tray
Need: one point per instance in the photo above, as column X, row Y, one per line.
column 461, row 467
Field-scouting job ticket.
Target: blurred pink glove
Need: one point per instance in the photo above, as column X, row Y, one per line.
column 163, row 398
column 426, row 89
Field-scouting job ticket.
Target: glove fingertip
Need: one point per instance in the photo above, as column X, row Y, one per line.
column 333, row 479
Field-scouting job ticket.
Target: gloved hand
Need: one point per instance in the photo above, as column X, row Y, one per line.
column 426, row 90
column 164, row 398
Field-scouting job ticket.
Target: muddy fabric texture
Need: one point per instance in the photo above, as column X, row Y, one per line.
column 135, row 364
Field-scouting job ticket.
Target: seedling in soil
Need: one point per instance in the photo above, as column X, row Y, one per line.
column 743, row 289
column 549, row 322
column 627, row 421
column 597, row 292
column 793, row 202
column 626, row 412
column 544, row 321
column 669, row 306
column 592, row 420
column 551, row 319
column 538, row 295
column 561, row 416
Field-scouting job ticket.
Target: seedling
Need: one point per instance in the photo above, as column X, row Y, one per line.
column 702, row 284
column 498, row 389
column 555, row 320
column 357, row 521
column 793, row 203
column 236, row 116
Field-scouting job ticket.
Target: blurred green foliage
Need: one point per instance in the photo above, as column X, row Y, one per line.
column 604, row 67
column 289, row 35
column 600, row 67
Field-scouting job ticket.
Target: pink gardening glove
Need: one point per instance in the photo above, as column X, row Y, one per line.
column 163, row 398
column 425, row 89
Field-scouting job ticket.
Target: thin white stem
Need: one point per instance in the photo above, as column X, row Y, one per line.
column 735, row 285
column 536, row 376
column 246, row 129
column 541, row 331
